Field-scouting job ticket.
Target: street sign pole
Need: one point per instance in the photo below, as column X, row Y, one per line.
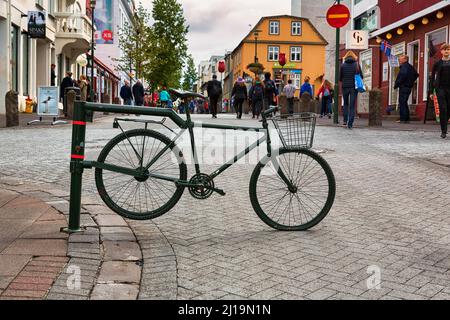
column 336, row 79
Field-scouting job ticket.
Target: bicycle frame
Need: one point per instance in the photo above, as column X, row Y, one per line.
column 83, row 113
column 189, row 125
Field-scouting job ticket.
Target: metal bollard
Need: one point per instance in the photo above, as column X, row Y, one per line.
column 76, row 166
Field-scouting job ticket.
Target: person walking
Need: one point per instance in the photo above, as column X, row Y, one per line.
column 327, row 93
column 289, row 91
column 349, row 69
column 67, row 82
column 306, row 87
column 138, row 93
column 270, row 91
column 440, row 82
column 164, row 97
column 214, row 89
column 126, row 94
column 239, row 95
column 256, row 96
column 83, row 88
column 405, row 82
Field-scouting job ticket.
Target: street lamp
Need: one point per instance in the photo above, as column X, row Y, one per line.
column 256, row 34
column 92, row 6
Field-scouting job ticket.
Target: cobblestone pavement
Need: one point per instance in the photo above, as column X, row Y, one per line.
column 390, row 221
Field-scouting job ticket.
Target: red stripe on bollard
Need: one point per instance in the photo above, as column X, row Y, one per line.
column 75, row 156
column 79, row 123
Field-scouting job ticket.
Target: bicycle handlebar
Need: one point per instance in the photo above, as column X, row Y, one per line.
column 270, row 111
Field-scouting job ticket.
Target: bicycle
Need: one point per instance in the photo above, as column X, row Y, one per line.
column 292, row 189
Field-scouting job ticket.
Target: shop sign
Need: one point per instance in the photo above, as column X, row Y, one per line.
column 104, row 17
column 357, row 40
column 277, row 65
column 36, row 24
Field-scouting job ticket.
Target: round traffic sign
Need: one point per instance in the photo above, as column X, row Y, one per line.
column 338, row 16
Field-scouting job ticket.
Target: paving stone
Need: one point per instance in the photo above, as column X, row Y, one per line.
column 12, row 264
column 117, row 234
column 115, row 291
column 38, row 247
column 119, row 271
column 110, row 221
column 121, row 250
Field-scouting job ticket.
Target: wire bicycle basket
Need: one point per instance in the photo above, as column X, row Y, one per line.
column 296, row 130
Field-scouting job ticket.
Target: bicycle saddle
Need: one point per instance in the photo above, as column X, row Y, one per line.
column 186, row 94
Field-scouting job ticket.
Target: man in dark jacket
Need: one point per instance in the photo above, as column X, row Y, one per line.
column 239, row 93
column 349, row 69
column 138, row 93
column 214, row 90
column 126, row 94
column 67, row 82
column 405, row 82
column 440, row 82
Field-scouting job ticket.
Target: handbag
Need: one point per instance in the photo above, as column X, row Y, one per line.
column 359, row 83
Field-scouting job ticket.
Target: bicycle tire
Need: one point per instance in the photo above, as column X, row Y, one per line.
column 304, row 161
column 123, row 145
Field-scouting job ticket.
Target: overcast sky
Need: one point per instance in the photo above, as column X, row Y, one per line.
column 220, row 25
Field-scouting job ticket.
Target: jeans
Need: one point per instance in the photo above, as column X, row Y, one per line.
column 290, row 105
column 128, row 102
column 325, row 106
column 443, row 96
column 404, row 94
column 350, row 95
column 256, row 107
column 213, row 101
column 238, row 107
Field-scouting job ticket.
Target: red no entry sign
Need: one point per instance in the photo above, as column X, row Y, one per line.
column 338, row 16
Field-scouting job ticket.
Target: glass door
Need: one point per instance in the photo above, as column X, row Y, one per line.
column 413, row 53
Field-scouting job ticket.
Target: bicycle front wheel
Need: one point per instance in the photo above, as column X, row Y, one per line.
column 140, row 198
column 310, row 197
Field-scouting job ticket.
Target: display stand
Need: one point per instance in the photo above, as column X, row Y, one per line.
column 54, row 122
column 48, row 98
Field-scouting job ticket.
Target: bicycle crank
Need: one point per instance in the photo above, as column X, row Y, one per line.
column 201, row 187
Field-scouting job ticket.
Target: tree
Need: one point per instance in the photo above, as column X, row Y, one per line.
column 131, row 40
column 190, row 74
column 168, row 41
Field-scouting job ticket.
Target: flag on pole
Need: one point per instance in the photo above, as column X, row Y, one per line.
column 386, row 47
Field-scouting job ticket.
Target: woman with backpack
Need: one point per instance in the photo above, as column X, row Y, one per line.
column 256, row 97
column 327, row 95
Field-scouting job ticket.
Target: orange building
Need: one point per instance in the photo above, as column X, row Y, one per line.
column 297, row 38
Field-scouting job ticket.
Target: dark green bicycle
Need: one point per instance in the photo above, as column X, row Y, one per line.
column 142, row 174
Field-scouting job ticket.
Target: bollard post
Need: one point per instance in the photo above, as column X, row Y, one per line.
column 375, row 102
column 77, row 166
column 12, row 108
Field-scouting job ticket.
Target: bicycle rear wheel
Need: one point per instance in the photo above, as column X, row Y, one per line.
column 298, row 209
column 140, row 198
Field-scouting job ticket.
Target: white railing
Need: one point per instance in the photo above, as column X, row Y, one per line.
column 69, row 24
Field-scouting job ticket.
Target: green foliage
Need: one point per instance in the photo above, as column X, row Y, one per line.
column 157, row 52
column 190, row 74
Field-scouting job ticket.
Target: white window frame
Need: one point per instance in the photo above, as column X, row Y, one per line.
column 274, row 25
column 426, row 58
column 391, row 72
column 300, row 53
column 275, row 52
column 409, row 53
column 297, row 28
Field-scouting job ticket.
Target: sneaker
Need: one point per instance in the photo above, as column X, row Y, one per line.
column 398, row 121
column 443, row 135
column 344, row 124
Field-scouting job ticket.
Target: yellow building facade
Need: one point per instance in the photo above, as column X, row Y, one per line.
column 297, row 38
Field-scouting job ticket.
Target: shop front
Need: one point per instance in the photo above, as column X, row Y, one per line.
column 420, row 38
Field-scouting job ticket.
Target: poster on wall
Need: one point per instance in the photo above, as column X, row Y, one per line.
column 385, row 71
column 48, row 98
column 104, row 17
column 36, row 24
column 365, row 59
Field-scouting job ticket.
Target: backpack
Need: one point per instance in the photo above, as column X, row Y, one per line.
column 269, row 87
column 326, row 92
column 215, row 89
column 258, row 93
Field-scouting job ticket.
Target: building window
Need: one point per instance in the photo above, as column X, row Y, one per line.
column 296, row 28
column 273, row 53
column 15, row 57
column 51, row 7
column 25, row 64
column 296, row 53
column 274, row 27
